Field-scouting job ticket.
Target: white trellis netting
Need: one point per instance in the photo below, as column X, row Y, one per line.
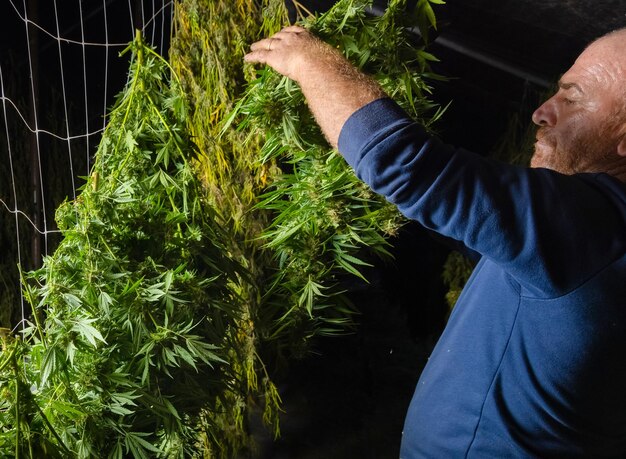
column 60, row 70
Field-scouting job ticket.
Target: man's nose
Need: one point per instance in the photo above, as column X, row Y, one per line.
column 545, row 115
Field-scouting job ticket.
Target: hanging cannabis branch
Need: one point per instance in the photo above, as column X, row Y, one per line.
column 207, row 53
column 130, row 340
column 294, row 214
column 323, row 216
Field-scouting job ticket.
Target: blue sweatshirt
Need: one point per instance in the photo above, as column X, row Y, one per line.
column 532, row 362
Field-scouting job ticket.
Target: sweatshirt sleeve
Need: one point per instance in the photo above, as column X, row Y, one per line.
column 551, row 232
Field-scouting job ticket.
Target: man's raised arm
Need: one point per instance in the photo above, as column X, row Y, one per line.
column 333, row 87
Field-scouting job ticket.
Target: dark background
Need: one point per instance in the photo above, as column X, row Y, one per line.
column 502, row 56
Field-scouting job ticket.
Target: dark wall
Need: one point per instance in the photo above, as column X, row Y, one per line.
column 505, row 55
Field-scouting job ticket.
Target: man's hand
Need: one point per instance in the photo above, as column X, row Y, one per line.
column 293, row 52
column 333, row 87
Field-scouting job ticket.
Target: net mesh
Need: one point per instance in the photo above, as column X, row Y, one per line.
column 60, row 69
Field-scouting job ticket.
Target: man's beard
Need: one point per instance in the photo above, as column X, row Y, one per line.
column 580, row 152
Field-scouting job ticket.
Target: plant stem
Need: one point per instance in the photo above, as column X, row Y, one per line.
column 51, row 429
column 17, row 407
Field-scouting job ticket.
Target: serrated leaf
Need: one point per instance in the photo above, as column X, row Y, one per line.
column 88, row 331
column 137, row 437
column 119, row 409
column 129, row 140
column 72, row 300
column 168, row 405
column 185, row 355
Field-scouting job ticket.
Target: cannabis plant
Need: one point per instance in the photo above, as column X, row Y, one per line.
column 211, row 239
column 296, row 216
column 323, row 216
column 207, row 52
column 129, row 340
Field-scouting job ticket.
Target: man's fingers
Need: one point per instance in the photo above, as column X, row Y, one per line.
column 289, row 33
column 281, row 50
column 295, row 29
column 264, row 44
column 261, row 49
column 270, row 43
column 258, row 56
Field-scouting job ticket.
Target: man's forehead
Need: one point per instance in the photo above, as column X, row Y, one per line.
column 610, row 47
column 602, row 62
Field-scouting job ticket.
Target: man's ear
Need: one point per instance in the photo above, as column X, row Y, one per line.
column 621, row 146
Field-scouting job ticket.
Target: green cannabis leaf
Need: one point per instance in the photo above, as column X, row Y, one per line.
column 130, row 341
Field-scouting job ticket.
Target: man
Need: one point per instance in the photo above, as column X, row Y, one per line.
column 532, row 362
